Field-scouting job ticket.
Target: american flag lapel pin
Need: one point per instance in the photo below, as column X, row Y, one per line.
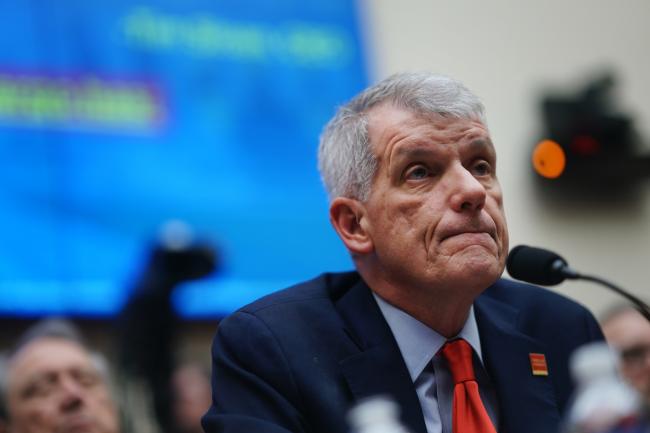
column 538, row 364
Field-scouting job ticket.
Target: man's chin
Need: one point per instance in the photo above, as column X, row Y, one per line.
column 80, row 425
column 478, row 253
column 477, row 269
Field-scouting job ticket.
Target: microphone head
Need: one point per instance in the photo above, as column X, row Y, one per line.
column 536, row 265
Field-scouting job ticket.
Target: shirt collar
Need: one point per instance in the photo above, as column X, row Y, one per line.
column 417, row 342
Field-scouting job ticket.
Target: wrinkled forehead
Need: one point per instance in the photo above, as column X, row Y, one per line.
column 48, row 354
column 387, row 123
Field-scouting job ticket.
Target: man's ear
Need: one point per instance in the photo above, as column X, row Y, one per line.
column 348, row 216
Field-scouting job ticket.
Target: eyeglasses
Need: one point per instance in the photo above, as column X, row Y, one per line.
column 635, row 356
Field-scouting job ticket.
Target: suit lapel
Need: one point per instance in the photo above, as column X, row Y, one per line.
column 378, row 367
column 526, row 402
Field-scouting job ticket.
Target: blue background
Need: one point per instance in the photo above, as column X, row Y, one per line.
column 234, row 155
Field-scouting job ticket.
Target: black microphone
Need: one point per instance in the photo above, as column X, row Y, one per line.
column 539, row 266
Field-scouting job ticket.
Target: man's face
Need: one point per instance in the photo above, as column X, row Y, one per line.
column 629, row 333
column 53, row 387
column 435, row 211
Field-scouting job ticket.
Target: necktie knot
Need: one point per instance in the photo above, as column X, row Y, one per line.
column 469, row 414
column 458, row 354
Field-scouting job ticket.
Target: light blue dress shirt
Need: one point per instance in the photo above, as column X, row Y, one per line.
column 432, row 379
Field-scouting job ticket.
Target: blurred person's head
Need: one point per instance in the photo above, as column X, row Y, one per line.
column 628, row 332
column 192, row 396
column 51, row 383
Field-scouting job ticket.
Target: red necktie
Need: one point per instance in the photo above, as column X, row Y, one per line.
column 469, row 414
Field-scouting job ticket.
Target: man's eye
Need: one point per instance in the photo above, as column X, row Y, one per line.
column 87, row 378
column 417, row 172
column 635, row 354
column 482, row 168
column 41, row 388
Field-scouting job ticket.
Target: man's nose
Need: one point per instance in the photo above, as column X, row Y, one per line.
column 467, row 192
column 72, row 395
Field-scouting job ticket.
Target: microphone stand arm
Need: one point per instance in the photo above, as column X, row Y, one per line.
column 641, row 306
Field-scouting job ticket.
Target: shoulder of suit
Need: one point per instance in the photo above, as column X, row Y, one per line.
column 325, row 286
column 521, row 295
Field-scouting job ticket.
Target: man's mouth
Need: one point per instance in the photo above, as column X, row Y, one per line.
column 78, row 423
column 472, row 233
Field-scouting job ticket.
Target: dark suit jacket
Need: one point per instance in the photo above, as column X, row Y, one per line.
column 296, row 360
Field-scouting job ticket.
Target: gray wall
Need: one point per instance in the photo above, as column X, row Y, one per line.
column 508, row 52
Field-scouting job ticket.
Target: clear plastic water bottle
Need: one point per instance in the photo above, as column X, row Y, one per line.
column 376, row 415
column 601, row 400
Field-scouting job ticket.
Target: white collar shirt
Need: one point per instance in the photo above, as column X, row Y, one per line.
column 431, row 377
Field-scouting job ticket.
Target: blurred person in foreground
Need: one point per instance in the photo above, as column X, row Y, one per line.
column 410, row 170
column 628, row 332
column 52, row 383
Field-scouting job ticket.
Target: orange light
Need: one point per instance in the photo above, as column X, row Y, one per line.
column 549, row 159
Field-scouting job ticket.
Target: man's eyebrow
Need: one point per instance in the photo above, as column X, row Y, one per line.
column 482, row 143
column 27, row 388
column 414, row 148
column 39, row 376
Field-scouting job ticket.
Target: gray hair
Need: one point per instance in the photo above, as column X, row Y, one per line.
column 47, row 328
column 346, row 162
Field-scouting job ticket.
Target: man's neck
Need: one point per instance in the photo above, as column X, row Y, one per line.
column 446, row 318
column 442, row 306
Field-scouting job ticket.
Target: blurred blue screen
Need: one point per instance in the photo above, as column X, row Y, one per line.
column 118, row 116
